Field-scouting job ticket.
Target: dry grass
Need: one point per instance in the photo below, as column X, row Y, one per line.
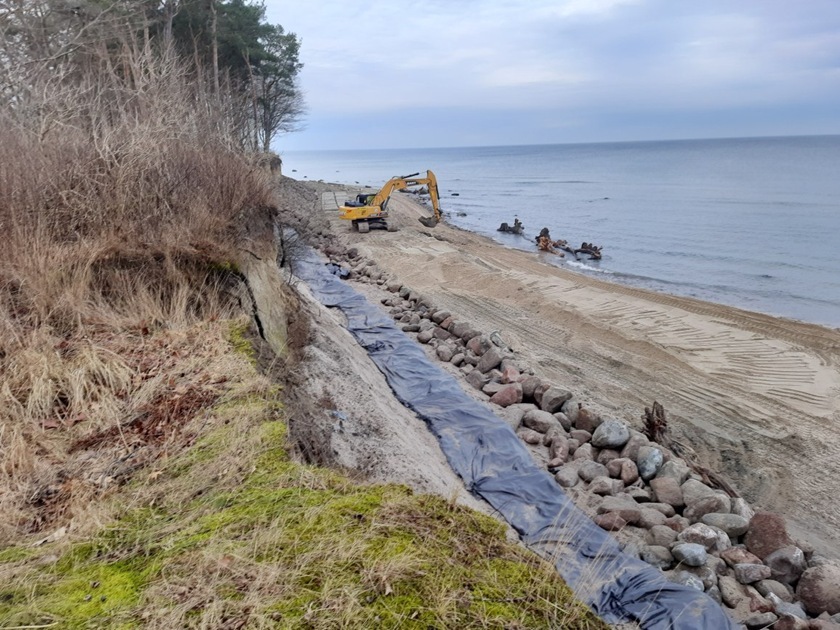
column 121, row 202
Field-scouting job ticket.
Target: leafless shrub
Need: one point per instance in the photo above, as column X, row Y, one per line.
column 122, row 191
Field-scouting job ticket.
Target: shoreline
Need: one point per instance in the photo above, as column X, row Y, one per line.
column 753, row 394
column 602, row 276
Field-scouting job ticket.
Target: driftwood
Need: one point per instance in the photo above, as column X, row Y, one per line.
column 516, row 228
column 656, row 429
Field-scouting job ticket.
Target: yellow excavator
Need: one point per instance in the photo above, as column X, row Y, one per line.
column 370, row 210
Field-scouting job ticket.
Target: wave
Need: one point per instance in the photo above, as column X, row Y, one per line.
column 581, row 265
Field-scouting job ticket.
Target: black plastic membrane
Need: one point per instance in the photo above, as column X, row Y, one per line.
column 495, row 466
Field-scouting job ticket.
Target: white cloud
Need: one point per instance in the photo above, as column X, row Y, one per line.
column 566, row 56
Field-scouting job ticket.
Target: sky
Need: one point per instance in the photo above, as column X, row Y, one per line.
column 444, row 73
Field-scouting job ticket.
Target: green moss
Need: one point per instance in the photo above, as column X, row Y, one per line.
column 15, row 554
column 291, row 546
column 240, row 341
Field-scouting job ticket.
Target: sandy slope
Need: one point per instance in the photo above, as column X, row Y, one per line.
column 757, row 397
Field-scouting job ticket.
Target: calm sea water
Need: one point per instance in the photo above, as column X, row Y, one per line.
column 752, row 223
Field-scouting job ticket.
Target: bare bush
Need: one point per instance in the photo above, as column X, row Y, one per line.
column 122, row 192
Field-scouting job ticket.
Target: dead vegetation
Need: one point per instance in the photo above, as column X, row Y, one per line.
column 119, row 215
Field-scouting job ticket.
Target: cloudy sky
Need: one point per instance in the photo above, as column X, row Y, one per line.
column 437, row 73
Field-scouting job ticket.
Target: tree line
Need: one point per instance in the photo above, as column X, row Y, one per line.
column 228, row 51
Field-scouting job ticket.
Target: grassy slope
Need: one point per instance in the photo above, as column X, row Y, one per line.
column 231, row 533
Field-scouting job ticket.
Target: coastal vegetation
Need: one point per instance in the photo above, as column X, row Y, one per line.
column 147, row 478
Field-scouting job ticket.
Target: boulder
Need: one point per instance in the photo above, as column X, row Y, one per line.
column 739, row 555
column 705, row 573
column 638, row 494
column 786, row 564
column 563, row 419
column 529, row 384
column 819, row 589
column 731, row 591
column 553, row 398
column 529, row 436
column 676, row 469
column 478, row 345
column 567, row 476
column 667, row 490
column 786, row 622
column 611, row 521
column 580, row 435
column 445, row 352
column 636, row 441
column 773, row 587
column 707, row 505
column 603, row 485
column 661, row 536
column 781, row 607
column 559, row 448
column 606, row 455
column 508, row 395
column 625, row 508
column 766, row 534
column 666, row 509
column 658, row 556
column 760, row 620
column 584, row 451
column 477, row 379
column 711, row 538
column 694, row 491
column 649, row 517
column 510, row 375
column 742, row 508
column 489, row 361
column 425, row 336
column 629, row 472
column 649, row 460
column 589, row 470
column 732, row 524
column 541, row 421
column 690, row 554
column 458, row 329
column 749, row 573
column 587, row 420
column 438, row 317
column 571, row 408
column 612, row 434
column 457, row 359
column 677, row 523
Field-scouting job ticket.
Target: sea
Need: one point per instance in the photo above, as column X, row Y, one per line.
column 750, row 222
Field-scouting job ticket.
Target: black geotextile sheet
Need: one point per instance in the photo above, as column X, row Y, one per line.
column 494, row 465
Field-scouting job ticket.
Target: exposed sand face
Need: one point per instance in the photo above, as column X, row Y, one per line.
column 757, row 397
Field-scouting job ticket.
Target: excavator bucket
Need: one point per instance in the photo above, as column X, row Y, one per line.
column 429, row 222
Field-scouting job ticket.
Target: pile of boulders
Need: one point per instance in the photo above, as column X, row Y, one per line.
column 699, row 535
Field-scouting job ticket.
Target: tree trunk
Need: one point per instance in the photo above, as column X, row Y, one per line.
column 215, row 44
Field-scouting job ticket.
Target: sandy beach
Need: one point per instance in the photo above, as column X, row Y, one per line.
column 757, row 397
